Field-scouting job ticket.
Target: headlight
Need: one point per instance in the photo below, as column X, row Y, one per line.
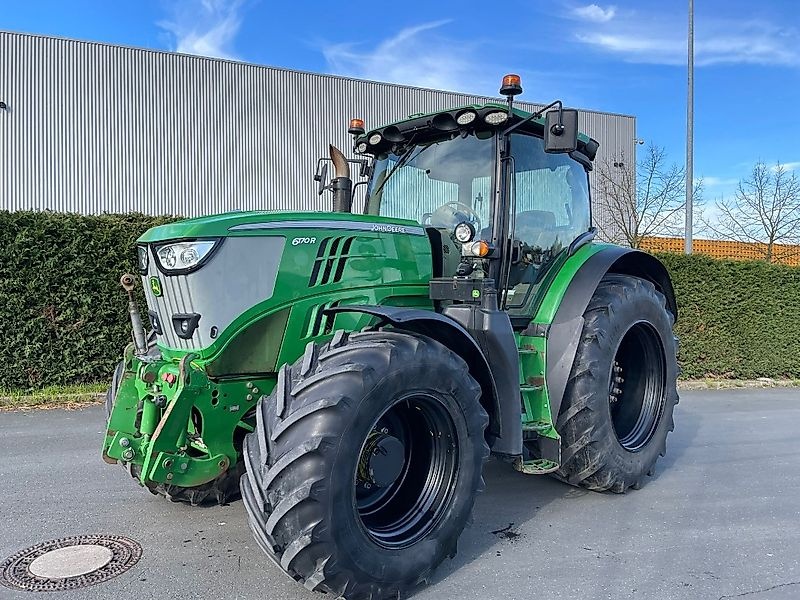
column 496, row 117
column 183, row 256
column 375, row 139
column 464, row 232
column 142, row 258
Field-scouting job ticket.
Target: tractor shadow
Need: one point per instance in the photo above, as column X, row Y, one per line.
column 506, row 517
column 687, row 426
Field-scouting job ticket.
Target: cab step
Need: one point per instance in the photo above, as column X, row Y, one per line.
column 536, row 466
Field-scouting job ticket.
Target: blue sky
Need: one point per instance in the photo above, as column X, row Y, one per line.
column 627, row 56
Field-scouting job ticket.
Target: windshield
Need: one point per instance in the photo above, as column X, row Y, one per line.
column 438, row 184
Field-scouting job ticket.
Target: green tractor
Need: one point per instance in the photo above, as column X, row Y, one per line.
column 352, row 373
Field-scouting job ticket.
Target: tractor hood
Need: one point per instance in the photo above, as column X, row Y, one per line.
column 230, row 287
column 245, row 223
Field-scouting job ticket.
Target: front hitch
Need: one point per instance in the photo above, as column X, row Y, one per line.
column 151, row 424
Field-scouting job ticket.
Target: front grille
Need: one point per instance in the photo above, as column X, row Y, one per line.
column 240, row 275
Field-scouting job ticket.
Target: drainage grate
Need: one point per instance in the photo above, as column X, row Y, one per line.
column 69, row 563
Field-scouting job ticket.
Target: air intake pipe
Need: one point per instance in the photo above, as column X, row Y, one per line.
column 341, row 185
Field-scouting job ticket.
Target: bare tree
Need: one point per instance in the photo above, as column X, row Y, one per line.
column 642, row 202
column 764, row 212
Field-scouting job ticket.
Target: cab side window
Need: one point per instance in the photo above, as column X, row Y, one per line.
column 552, row 196
column 552, row 209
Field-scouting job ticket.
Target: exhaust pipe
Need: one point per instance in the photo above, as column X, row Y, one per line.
column 342, row 185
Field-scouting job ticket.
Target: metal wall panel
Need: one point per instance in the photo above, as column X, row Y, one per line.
column 94, row 128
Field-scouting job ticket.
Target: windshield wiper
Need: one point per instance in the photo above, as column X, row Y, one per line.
column 402, row 161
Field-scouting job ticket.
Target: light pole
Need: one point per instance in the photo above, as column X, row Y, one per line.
column 687, row 242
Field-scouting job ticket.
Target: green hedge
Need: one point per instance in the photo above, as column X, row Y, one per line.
column 63, row 316
column 736, row 319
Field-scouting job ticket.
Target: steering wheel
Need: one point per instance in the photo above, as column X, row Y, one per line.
column 446, row 216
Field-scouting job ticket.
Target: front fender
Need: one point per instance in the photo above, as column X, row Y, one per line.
column 449, row 333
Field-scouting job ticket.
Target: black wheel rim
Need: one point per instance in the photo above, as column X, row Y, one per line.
column 637, row 391
column 410, row 500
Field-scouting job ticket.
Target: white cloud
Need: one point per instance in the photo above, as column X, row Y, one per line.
column 718, row 182
column 415, row 56
column 662, row 40
column 594, row 13
column 205, row 27
column 789, row 166
column 637, row 48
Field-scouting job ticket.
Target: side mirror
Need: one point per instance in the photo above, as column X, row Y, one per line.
column 561, row 131
column 321, row 177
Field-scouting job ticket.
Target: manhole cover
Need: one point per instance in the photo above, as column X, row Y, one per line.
column 69, row 563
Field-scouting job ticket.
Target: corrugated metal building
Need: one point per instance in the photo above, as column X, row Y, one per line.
column 99, row 128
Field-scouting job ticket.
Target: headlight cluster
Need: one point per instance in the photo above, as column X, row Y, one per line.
column 183, row 256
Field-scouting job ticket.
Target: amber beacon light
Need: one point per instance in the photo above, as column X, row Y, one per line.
column 512, row 85
column 356, row 127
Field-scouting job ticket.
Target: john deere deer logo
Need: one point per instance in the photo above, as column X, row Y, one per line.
column 155, row 286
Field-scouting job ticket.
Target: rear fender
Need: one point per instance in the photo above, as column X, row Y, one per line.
column 563, row 334
column 449, row 333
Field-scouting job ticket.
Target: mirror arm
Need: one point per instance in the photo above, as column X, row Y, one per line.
column 317, row 175
column 537, row 115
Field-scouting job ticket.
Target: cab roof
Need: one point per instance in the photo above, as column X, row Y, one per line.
column 420, row 128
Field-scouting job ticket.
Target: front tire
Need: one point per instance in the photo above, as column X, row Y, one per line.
column 365, row 463
column 618, row 404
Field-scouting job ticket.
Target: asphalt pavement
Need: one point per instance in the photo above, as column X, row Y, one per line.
column 720, row 519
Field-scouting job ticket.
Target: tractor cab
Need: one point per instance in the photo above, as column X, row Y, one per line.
column 447, row 181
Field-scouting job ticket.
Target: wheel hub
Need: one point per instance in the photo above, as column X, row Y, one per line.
column 615, row 385
column 382, row 460
column 406, row 471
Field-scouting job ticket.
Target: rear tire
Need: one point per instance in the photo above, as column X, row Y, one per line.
column 317, row 503
column 619, row 400
column 222, row 490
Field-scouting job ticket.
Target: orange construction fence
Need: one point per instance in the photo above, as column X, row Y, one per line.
column 783, row 254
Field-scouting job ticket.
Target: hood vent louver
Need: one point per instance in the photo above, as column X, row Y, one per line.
column 320, row 323
column 330, row 262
